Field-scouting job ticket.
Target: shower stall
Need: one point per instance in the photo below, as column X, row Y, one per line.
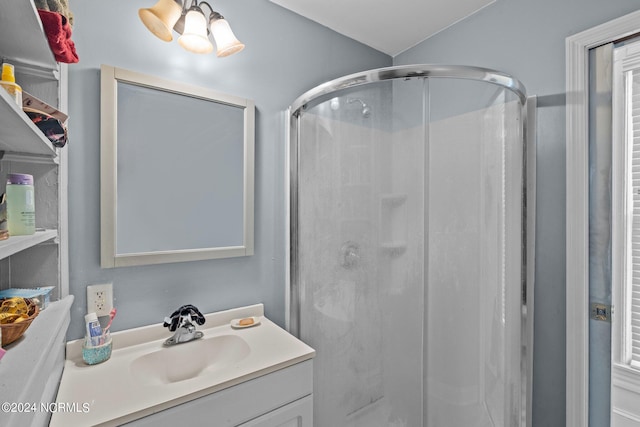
column 408, row 251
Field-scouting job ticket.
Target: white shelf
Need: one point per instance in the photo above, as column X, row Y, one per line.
column 393, row 199
column 15, row 244
column 19, row 134
column 23, row 41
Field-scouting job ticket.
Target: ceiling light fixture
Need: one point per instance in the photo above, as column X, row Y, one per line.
column 192, row 25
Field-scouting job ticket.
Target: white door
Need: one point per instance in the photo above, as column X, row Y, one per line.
column 625, row 243
column 578, row 78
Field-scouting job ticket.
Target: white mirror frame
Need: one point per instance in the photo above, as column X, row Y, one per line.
column 110, row 76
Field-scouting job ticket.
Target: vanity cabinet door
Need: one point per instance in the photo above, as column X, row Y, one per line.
column 276, row 399
column 295, row 414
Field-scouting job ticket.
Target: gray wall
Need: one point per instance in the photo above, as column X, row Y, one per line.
column 526, row 39
column 285, row 56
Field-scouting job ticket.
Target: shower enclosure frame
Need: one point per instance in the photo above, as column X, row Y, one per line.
column 424, row 71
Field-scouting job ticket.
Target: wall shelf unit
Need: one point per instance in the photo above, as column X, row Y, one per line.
column 40, row 259
column 32, row 367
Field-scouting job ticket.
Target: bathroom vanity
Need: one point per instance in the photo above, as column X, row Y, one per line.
column 258, row 376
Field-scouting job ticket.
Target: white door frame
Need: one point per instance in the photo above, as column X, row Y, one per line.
column 577, row 208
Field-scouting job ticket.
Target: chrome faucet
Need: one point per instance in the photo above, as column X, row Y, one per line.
column 181, row 322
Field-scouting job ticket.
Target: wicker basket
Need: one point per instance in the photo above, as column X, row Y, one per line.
column 13, row 331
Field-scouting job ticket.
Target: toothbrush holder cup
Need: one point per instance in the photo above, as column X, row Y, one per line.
column 94, row 354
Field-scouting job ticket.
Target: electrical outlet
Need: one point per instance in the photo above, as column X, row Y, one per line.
column 100, row 299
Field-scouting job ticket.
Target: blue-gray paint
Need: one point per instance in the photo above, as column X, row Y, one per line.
column 285, row 56
column 527, row 40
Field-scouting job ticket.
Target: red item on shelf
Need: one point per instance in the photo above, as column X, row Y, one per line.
column 58, row 32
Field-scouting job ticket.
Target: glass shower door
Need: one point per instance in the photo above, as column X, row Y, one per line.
column 408, row 255
column 473, row 262
column 360, row 256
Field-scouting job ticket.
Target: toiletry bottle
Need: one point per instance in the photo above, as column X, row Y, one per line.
column 21, row 207
column 94, row 331
column 8, row 82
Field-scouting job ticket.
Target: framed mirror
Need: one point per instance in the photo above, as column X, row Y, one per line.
column 176, row 171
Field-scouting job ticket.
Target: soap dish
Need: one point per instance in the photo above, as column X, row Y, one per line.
column 92, row 355
column 245, row 322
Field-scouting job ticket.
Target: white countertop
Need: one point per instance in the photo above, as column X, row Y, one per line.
column 111, row 394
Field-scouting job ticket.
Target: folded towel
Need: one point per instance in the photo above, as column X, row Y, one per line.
column 60, row 6
column 42, row 4
column 58, row 32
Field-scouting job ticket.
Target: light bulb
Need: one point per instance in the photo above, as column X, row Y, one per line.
column 160, row 18
column 226, row 41
column 194, row 39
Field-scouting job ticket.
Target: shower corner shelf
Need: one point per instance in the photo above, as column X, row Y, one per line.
column 393, row 199
column 394, row 248
column 355, row 185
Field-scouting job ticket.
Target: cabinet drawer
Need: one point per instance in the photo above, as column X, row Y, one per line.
column 295, row 414
column 241, row 403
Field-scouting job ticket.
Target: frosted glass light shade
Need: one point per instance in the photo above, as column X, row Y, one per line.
column 161, row 18
column 194, row 39
column 226, row 41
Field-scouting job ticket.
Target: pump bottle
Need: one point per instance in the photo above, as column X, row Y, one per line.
column 8, row 82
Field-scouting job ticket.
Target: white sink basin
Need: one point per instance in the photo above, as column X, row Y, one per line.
column 189, row 360
column 144, row 377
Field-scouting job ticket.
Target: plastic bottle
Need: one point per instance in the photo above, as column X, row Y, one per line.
column 2, row 351
column 8, row 82
column 21, row 208
column 94, row 331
